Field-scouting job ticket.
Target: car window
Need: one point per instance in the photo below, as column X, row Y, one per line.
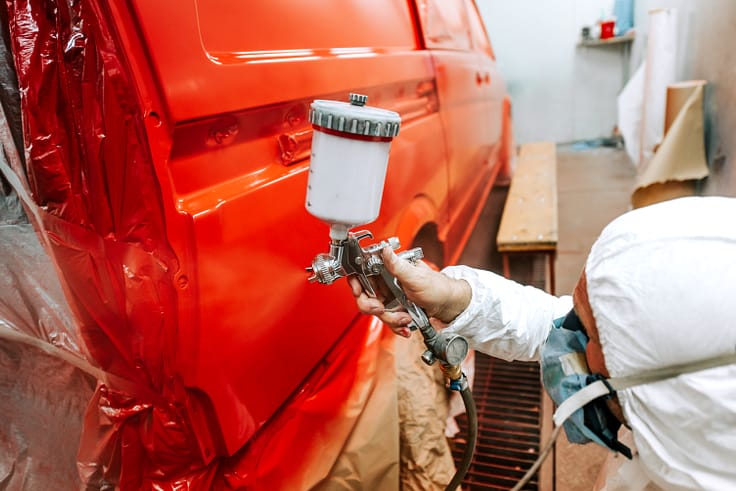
column 445, row 24
column 478, row 31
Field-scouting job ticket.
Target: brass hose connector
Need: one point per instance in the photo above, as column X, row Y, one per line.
column 452, row 372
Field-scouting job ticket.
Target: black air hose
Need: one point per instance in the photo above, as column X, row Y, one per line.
column 470, row 410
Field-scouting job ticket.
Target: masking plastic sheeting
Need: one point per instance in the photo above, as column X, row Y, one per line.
column 641, row 103
column 94, row 205
column 43, row 395
column 43, row 401
column 629, row 104
column 660, row 69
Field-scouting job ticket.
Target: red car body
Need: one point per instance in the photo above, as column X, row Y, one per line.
column 167, row 148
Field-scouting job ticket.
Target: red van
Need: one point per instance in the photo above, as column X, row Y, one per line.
column 166, row 148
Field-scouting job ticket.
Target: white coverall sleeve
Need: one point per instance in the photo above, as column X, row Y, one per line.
column 505, row 319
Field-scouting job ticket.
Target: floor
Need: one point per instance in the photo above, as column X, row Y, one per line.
column 594, row 186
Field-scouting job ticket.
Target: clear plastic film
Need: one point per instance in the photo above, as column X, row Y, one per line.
column 44, row 377
column 86, row 162
column 88, row 289
column 44, row 374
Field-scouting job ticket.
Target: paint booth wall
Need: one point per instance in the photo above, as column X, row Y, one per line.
column 560, row 91
column 563, row 92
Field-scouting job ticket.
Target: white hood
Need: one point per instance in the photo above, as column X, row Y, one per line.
column 662, row 288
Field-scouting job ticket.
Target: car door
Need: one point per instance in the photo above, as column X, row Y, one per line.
column 237, row 79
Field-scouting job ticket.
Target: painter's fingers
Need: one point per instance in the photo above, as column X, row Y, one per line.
column 397, row 320
column 369, row 305
column 355, row 286
column 366, row 304
column 404, row 332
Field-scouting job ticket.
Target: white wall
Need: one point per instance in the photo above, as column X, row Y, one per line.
column 559, row 91
column 562, row 92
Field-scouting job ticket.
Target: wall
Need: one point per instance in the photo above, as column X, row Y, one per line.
column 559, row 91
column 705, row 52
column 562, row 92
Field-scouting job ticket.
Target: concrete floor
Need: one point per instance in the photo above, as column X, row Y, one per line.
column 594, row 186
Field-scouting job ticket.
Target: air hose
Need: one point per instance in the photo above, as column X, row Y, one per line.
column 450, row 349
column 470, row 410
column 462, row 469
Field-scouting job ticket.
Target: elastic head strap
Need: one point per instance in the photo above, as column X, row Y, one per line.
column 609, row 386
column 579, row 399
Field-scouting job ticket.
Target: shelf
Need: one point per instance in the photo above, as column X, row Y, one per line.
column 626, row 38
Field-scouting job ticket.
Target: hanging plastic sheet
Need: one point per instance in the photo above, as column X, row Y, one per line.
column 661, row 62
column 44, row 378
column 629, row 106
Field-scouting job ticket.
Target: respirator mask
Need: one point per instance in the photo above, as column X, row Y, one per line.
column 565, row 372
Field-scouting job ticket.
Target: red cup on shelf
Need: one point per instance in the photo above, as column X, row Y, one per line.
column 607, row 28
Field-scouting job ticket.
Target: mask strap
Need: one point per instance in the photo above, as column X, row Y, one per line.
column 601, row 388
column 579, row 399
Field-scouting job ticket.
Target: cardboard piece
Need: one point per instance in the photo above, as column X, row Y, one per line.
column 426, row 462
column 679, row 161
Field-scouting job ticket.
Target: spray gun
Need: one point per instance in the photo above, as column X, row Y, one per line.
column 350, row 148
column 347, row 258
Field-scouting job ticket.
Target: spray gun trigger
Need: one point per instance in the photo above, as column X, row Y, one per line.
column 366, row 285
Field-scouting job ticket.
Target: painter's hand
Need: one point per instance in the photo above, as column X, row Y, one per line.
column 440, row 296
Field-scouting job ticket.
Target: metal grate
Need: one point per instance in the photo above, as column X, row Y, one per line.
column 509, row 400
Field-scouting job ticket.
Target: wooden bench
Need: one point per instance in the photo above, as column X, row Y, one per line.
column 529, row 221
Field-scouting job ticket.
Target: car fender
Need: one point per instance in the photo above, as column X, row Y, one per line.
column 420, row 212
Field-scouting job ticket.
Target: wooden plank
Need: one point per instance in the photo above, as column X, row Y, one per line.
column 529, row 221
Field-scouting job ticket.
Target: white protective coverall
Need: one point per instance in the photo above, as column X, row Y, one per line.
column 661, row 282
